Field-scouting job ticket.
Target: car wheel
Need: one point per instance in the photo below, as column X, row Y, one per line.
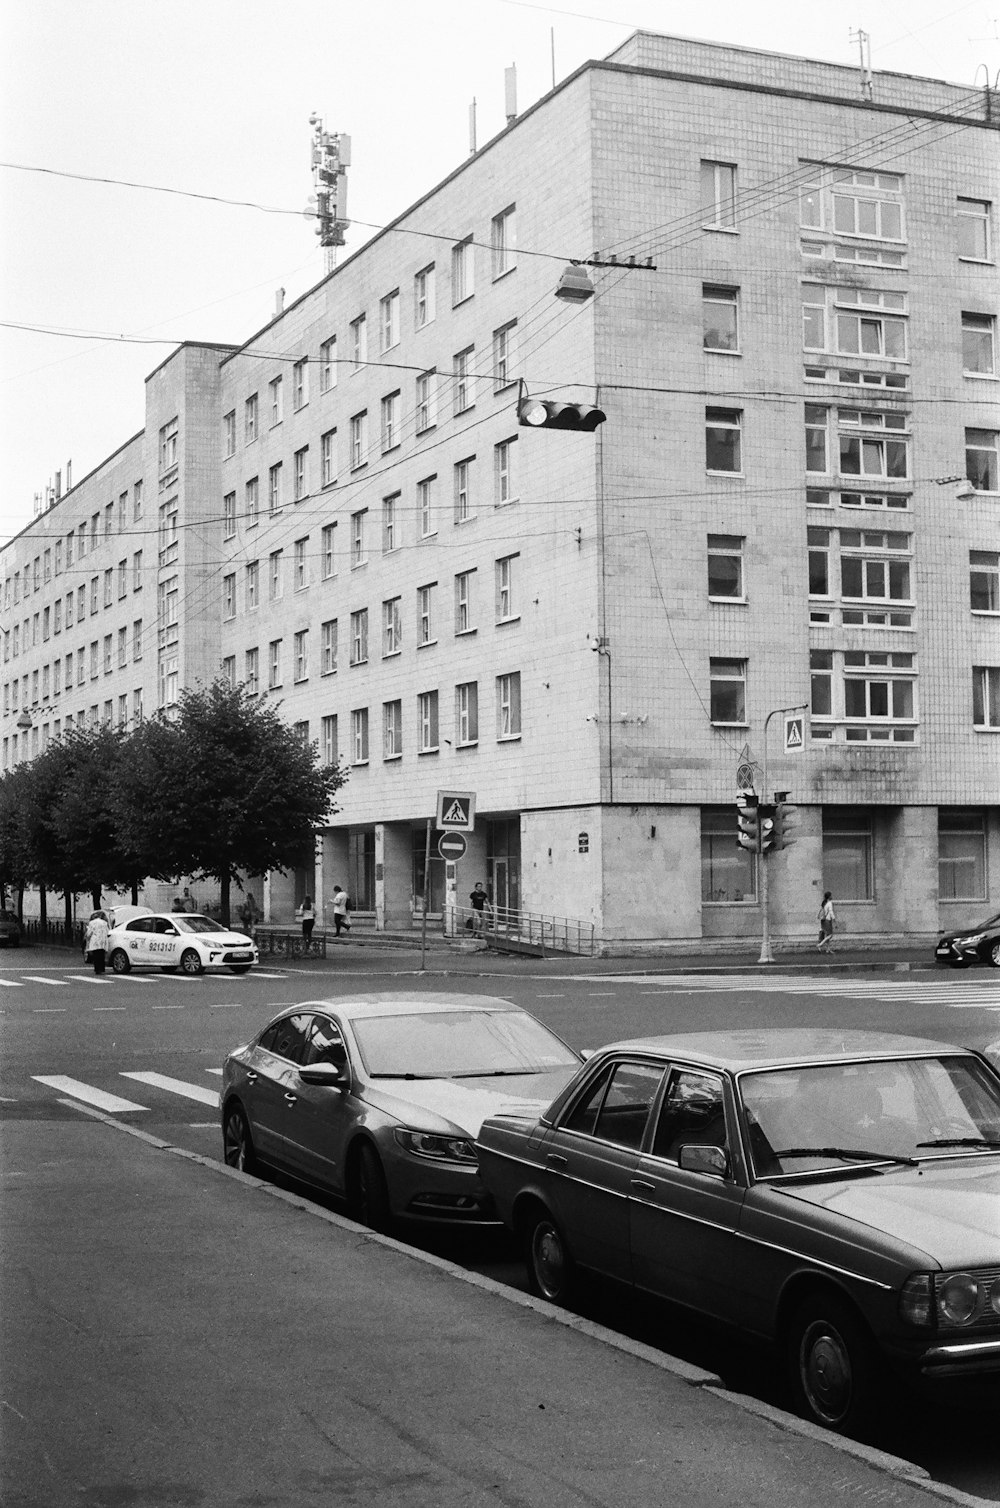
column 992, row 955
column 237, row 1143
column 240, row 968
column 550, row 1267
column 120, row 961
column 191, row 962
column 832, row 1365
column 370, row 1192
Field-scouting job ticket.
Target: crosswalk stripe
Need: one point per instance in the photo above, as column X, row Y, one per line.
column 175, row 1086
column 93, row 978
column 11, row 984
column 113, row 1103
column 43, row 979
column 965, row 996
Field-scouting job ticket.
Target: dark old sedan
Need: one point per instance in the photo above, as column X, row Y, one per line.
column 835, row 1194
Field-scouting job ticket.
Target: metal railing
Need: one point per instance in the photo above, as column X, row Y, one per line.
column 511, row 930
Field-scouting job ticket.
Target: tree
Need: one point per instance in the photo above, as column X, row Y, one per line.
column 224, row 788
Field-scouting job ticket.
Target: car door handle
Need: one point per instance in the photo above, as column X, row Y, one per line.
column 643, row 1186
column 252, row 1077
column 291, row 1099
column 556, row 1160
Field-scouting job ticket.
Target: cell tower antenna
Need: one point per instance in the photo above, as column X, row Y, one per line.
column 864, row 42
column 331, row 157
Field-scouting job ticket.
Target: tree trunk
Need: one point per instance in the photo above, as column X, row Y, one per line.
column 224, row 898
column 43, row 918
column 67, row 897
column 95, row 896
column 135, row 892
column 20, row 904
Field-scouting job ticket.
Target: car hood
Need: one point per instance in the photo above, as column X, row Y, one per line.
column 948, row 1209
column 222, row 938
column 459, row 1106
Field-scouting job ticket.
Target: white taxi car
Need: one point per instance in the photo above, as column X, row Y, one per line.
column 175, row 940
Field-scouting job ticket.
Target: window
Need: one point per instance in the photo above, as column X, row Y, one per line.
column 327, row 556
column 251, row 671
column 462, row 271
column 867, row 446
column 274, row 576
column 299, row 473
column 509, row 705
column 392, row 730
column 359, row 636
column 979, row 345
column 300, row 564
column 986, row 697
column 984, row 581
column 275, row 401
column 122, row 648
column 251, row 501
column 252, row 586
column 725, row 566
column 274, row 664
column 359, row 735
column 328, row 740
column 503, row 473
column 390, row 524
column 109, row 587
column 390, row 421
column 462, row 371
column 847, row 854
column 723, row 451
column 720, row 318
column 425, row 507
column 228, row 672
column 359, row 342
column 359, row 440
column 427, row 722
column 392, row 628
column 506, row 568
column 463, row 491
column 981, row 459
column 250, row 419
column 503, row 241
column 503, row 356
column 973, row 223
column 300, row 651
column 868, row 332
column 863, row 696
column 328, row 458
column 94, row 584
column 229, row 433
column 229, row 596
column 426, row 401
column 274, row 488
column 300, row 383
column 229, row 515
column 167, row 532
column 961, row 855
column 137, row 639
column 423, row 297
column 359, row 544
column 868, row 574
column 463, row 602
column 728, row 691
column 467, row 713
column 873, row 689
column 389, row 320
column 425, row 614
column 328, row 364
column 108, row 657
column 328, row 647
column 816, row 438
column 136, row 515
column 122, row 523
column 168, row 446
column 849, row 202
column 718, row 195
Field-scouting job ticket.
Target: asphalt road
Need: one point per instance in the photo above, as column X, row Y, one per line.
column 148, row 1050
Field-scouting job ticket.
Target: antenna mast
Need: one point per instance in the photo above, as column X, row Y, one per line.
column 331, row 157
column 864, row 42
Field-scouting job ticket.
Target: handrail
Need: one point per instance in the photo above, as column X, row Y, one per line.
column 512, row 929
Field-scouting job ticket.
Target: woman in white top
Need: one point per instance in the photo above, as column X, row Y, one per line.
column 826, row 923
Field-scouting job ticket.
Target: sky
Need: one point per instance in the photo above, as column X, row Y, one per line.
column 98, row 281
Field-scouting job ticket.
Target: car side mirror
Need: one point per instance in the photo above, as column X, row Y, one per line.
column 329, row 1074
column 701, row 1159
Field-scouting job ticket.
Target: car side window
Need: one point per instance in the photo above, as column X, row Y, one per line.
column 617, row 1107
column 692, row 1114
column 287, row 1037
column 162, row 926
column 144, row 924
column 324, row 1043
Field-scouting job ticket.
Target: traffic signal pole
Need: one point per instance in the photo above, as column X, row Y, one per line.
column 766, row 955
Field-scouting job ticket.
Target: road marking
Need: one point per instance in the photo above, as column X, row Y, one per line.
column 203, row 1125
column 966, row 996
column 110, row 1007
column 11, row 984
column 175, row 1086
column 43, row 979
column 49, row 1010
column 87, row 1093
column 214, row 1070
column 551, row 997
column 257, row 975
column 92, row 978
column 166, row 1007
column 235, row 1005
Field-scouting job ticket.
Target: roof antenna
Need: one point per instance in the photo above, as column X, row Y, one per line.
column 472, row 128
column 864, row 42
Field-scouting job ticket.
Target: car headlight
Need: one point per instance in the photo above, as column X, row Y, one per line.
column 958, row 1298
column 438, row 1148
column 916, row 1301
column 970, row 942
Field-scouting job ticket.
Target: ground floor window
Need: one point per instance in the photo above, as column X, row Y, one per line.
column 503, row 863
column 361, row 866
column 435, row 894
column 961, row 855
column 728, row 872
column 848, row 867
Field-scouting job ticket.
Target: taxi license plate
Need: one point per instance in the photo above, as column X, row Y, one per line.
column 238, row 956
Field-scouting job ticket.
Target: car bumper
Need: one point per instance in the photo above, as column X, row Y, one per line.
column 950, row 952
column 961, row 1358
column 439, row 1193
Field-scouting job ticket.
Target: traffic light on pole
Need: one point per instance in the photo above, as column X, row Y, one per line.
column 747, row 830
column 765, row 822
column 785, row 820
column 544, row 413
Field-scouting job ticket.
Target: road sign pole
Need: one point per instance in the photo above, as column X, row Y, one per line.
column 427, row 888
column 766, row 956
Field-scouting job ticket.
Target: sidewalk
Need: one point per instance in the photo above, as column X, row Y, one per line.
column 178, row 1333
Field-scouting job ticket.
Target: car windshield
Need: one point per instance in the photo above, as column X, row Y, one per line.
column 458, row 1044
column 824, row 1116
column 197, row 924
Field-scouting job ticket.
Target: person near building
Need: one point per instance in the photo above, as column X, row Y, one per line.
column 306, row 914
column 827, row 921
column 95, row 941
column 341, row 906
column 480, row 905
column 188, row 901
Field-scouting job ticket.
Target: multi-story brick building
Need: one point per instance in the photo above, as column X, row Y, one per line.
column 587, row 630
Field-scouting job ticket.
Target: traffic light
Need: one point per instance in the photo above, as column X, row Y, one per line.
column 544, row 413
column 748, row 832
column 785, row 820
column 765, row 823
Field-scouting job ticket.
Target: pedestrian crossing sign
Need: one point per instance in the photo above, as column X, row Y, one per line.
column 795, row 733
column 456, row 811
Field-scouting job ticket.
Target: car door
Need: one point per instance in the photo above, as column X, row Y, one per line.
column 683, row 1222
column 272, row 1087
column 320, row 1114
column 591, row 1158
column 164, row 945
column 137, row 936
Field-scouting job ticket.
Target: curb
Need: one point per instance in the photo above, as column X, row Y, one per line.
column 877, row 1460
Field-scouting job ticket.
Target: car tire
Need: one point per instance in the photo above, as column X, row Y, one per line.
column 191, row 962
column 369, row 1201
column 240, row 968
column 551, row 1274
column 992, row 953
column 237, row 1142
column 120, row 962
column 832, row 1365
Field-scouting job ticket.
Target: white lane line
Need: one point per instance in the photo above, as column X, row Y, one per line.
column 255, row 974
column 175, row 1086
column 49, row 1010
column 92, row 978
column 110, row 1007
column 214, row 1070
column 87, row 1093
column 203, row 1125
column 550, row 997
column 11, row 984
column 43, row 979
column 166, row 1007
column 234, row 1005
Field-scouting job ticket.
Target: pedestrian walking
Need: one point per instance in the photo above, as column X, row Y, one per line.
column 341, row 906
column 95, row 941
column 307, row 916
column 827, row 921
column 480, row 905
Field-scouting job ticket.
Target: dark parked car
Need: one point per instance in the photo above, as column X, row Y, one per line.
column 836, row 1194
column 977, row 943
column 379, row 1098
column 10, row 930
